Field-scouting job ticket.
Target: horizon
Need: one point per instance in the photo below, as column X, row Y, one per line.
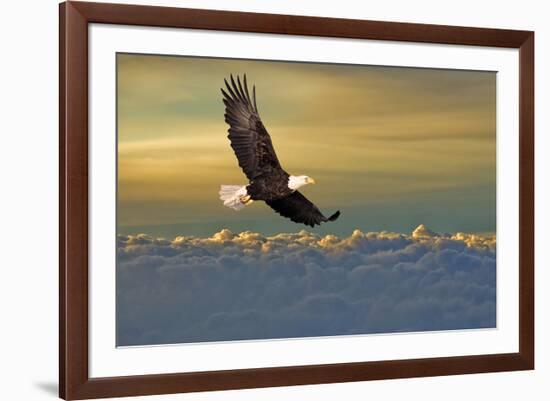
column 157, row 233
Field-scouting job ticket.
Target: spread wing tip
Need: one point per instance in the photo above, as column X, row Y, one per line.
column 237, row 91
column 334, row 216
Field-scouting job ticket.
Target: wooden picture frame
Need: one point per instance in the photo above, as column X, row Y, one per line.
column 75, row 382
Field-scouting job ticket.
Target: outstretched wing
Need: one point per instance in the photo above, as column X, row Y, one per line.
column 249, row 138
column 299, row 209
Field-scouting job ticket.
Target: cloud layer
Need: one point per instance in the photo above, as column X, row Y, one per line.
column 249, row 286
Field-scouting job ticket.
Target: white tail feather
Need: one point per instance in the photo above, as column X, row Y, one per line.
column 231, row 196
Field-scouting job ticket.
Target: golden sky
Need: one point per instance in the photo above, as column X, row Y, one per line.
column 390, row 147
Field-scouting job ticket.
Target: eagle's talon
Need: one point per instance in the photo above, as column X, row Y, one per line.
column 246, row 199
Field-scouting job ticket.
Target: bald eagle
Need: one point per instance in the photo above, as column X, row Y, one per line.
column 267, row 179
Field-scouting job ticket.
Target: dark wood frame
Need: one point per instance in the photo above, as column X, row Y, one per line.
column 74, row 381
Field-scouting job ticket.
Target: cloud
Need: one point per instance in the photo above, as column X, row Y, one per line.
column 249, row 286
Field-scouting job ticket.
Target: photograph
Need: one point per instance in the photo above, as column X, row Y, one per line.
column 275, row 199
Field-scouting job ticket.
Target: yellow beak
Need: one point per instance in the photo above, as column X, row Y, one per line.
column 311, row 181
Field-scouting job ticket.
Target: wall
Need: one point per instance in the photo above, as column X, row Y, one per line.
column 28, row 216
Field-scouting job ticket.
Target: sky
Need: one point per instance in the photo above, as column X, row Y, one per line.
column 390, row 147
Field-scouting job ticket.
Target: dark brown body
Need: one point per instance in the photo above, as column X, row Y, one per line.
column 270, row 186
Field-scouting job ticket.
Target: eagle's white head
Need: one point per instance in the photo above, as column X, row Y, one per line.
column 295, row 182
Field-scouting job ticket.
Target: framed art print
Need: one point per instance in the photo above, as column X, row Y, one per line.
column 254, row 200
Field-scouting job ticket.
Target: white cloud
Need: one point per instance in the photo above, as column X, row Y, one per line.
column 240, row 286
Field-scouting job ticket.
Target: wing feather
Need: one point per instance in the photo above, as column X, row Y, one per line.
column 254, row 98
column 249, row 138
column 299, row 209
